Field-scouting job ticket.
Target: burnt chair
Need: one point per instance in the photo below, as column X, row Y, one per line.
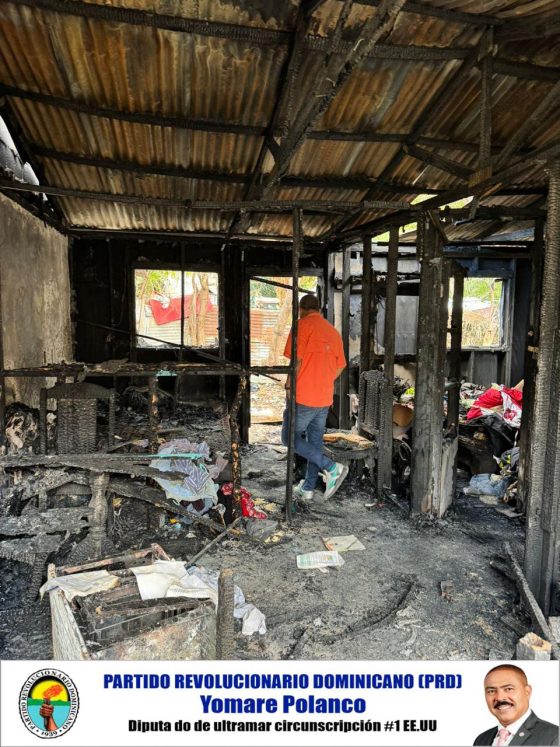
column 370, row 424
column 76, row 417
column 370, row 401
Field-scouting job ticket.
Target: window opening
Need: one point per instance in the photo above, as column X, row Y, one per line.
column 482, row 312
column 158, row 296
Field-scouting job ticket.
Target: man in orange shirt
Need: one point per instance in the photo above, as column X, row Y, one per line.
column 319, row 362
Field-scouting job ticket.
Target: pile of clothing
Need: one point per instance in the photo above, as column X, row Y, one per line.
column 500, row 400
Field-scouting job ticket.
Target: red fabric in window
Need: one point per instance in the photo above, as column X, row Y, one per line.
column 172, row 313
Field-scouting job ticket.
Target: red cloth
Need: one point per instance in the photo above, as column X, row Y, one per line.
column 247, row 506
column 493, row 398
column 172, row 313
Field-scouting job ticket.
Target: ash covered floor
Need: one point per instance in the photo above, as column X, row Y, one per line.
column 385, row 602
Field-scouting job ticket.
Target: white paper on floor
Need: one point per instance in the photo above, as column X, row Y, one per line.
column 170, row 579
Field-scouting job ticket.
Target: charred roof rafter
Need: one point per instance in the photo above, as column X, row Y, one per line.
column 485, row 187
column 292, row 180
column 253, row 35
column 335, row 73
column 283, row 104
column 229, row 206
column 433, row 108
column 210, row 125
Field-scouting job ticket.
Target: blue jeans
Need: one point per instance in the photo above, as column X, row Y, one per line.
column 310, row 428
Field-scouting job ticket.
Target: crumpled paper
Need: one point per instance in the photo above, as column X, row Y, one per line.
column 166, row 578
column 81, row 584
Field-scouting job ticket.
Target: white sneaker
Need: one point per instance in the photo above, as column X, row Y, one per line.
column 300, row 494
column 334, row 477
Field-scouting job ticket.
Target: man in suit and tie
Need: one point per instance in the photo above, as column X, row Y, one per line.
column 507, row 695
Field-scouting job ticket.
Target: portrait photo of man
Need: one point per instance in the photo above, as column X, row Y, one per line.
column 507, row 694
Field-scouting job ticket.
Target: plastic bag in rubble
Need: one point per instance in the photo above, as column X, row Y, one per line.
column 486, row 484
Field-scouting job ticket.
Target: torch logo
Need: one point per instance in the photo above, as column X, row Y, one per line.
column 48, row 703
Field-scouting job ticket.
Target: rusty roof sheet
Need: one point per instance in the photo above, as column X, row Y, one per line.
column 223, row 65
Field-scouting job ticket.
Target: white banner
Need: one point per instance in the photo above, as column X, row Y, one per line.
column 323, row 703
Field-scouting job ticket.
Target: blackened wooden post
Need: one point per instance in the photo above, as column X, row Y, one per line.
column 178, row 376
column 366, row 326
column 245, row 418
column 384, row 468
column 2, row 376
column 153, row 413
column 428, row 410
column 329, row 286
column 486, row 72
column 225, row 634
column 344, row 379
column 373, row 319
column 544, row 480
column 221, row 319
column 296, row 250
column 233, row 502
column 530, row 366
column 455, row 352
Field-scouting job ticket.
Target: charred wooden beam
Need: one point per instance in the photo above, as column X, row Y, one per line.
column 439, row 162
column 2, row 378
column 192, row 561
column 282, row 112
column 455, row 352
column 486, row 186
column 153, row 414
column 141, row 369
column 486, row 73
column 291, row 406
column 541, row 567
column 428, row 411
column 111, row 14
column 138, row 168
column 385, row 459
column 336, row 72
column 225, row 633
column 157, row 119
column 327, row 206
column 531, row 603
column 455, row 16
column 233, row 502
column 525, row 70
column 367, row 317
column 530, row 365
column 334, row 182
column 344, row 378
column 256, row 35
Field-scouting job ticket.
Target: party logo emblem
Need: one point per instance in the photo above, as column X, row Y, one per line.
column 48, row 703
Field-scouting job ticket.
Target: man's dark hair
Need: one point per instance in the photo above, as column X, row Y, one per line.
column 309, row 302
column 509, row 666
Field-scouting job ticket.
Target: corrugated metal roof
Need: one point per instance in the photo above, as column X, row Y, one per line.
column 229, row 69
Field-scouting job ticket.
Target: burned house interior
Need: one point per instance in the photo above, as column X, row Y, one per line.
column 175, row 175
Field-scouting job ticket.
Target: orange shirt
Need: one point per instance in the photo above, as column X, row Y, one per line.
column 319, row 348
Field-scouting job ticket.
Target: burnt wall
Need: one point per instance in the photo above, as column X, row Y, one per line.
column 102, row 278
column 35, row 297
